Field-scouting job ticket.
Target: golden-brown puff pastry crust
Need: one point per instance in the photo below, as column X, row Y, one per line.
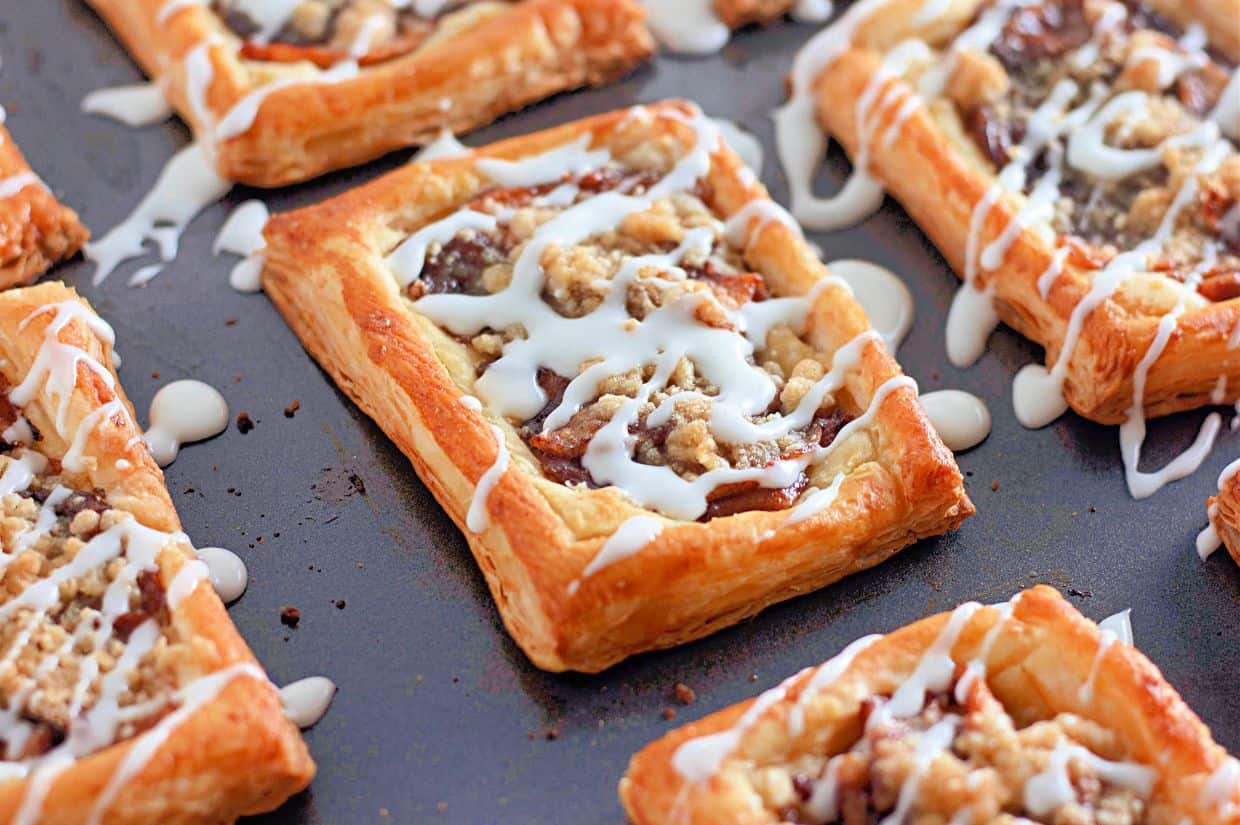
column 1224, row 510
column 507, row 59
column 933, row 168
column 1037, row 666
column 236, row 754
column 36, row 230
column 326, row 272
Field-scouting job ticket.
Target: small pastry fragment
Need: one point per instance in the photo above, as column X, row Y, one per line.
column 623, row 373
column 1074, row 160
column 127, row 695
column 282, row 92
column 1224, row 512
column 1022, row 712
column 36, row 230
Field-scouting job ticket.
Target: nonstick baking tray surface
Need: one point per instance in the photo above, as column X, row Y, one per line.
column 439, row 717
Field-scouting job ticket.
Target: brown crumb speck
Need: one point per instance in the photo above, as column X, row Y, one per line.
column 669, row 714
column 155, row 374
column 994, row 485
column 290, row 616
column 291, row 409
column 230, row 322
column 442, row 807
column 339, row 604
column 552, row 734
column 244, row 423
column 684, row 694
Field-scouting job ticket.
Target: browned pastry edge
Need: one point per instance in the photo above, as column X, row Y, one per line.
column 325, row 271
column 36, row 230
column 523, row 54
column 237, row 754
column 1036, row 667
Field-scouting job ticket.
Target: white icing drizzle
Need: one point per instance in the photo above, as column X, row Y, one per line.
column 1106, row 638
column 183, row 412
column 445, row 145
column 961, row 419
column 186, row 185
column 812, row 11
column 1119, row 624
column 937, row 739
column 1219, row 790
column 826, row 674
column 136, row 105
column 242, row 234
column 1226, row 114
column 306, row 700
column 687, row 26
column 934, row 670
column 975, row 668
column 13, row 184
column 882, row 294
column 630, row 538
column 469, row 402
column 478, row 519
column 609, row 336
column 226, row 571
column 814, row 501
column 1208, row 540
column 800, row 142
column 1046, row 791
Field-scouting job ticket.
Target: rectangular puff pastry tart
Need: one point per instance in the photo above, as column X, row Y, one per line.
column 126, row 695
column 1021, row 712
column 282, row 92
column 623, row 373
column 36, row 230
column 1071, row 160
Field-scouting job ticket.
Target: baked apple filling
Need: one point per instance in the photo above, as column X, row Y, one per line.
column 1106, row 115
column 614, row 324
column 326, row 32
column 87, row 654
column 963, row 759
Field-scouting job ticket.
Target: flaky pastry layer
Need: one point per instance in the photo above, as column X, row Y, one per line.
column 36, row 230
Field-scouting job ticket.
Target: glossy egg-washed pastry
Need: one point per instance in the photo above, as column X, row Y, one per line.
column 625, row 376
column 36, row 230
column 1022, row 712
column 281, row 92
column 1070, row 158
column 126, row 695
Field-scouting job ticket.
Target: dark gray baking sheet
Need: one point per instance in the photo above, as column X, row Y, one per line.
column 436, row 704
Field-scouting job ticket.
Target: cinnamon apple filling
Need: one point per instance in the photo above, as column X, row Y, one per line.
column 696, row 370
column 326, row 32
column 963, row 759
column 87, row 654
column 1104, row 115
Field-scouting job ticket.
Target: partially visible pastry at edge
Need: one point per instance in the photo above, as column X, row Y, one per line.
column 1224, row 512
column 127, row 696
column 1021, row 712
column 280, row 93
column 1073, row 160
column 36, row 230
column 623, row 373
